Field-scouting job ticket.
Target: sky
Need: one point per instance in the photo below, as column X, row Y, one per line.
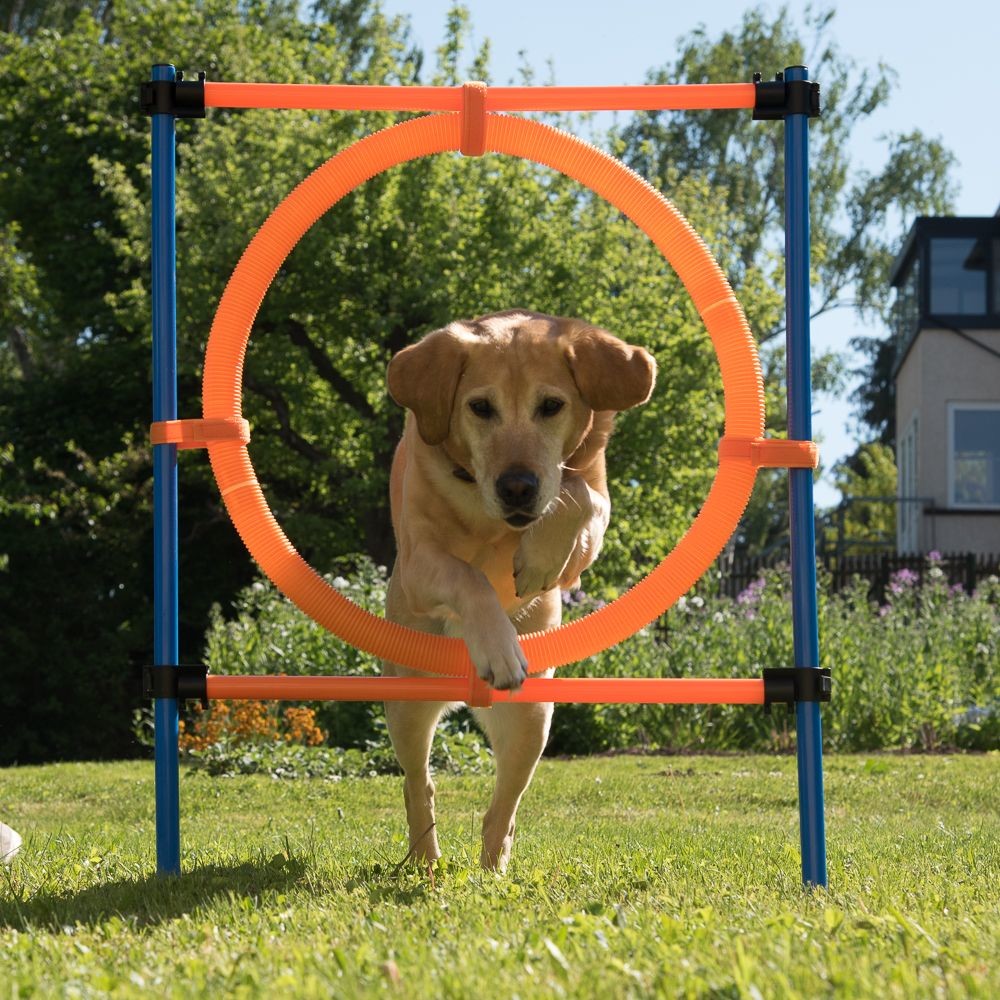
column 947, row 86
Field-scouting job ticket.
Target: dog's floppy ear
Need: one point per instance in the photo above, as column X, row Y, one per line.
column 610, row 374
column 424, row 378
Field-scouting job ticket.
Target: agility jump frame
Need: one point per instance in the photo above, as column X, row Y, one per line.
column 468, row 119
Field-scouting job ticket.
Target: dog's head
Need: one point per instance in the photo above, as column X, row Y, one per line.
column 511, row 396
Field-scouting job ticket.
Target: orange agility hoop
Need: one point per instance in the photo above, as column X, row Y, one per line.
column 743, row 448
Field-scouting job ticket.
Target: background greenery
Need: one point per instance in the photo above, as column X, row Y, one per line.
column 919, row 672
column 409, row 251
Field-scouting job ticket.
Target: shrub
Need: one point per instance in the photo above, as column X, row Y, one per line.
column 917, row 672
column 460, row 751
column 249, row 722
column 269, row 635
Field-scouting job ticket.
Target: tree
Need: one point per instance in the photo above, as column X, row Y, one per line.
column 412, row 249
column 857, row 216
column 875, row 395
column 420, row 245
column 866, row 515
column 74, row 350
column 27, row 17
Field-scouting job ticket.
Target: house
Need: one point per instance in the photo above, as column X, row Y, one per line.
column 947, row 377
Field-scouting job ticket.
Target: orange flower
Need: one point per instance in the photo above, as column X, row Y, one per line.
column 245, row 721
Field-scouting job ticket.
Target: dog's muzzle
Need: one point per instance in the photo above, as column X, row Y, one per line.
column 517, row 490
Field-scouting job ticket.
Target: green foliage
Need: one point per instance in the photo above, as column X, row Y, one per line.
column 869, row 473
column 70, row 541
column 857, row 217
column 412, row 249
column 631, row 877
column 28, row 17
column 875, row 395
column 22, row 299
column 269, row 635
column 919, row 672
column 74, row 493
column 416, row 247
column 928, row 675
column 461, row 751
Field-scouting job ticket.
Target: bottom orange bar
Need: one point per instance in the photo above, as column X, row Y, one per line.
column 590, row 690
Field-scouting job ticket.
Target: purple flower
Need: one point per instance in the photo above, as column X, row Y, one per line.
column 752, row 594
column 934, row 556
column 902, row 580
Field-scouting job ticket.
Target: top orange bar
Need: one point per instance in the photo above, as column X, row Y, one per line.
column 355, row 97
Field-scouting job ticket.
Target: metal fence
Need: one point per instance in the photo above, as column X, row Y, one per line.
column 961, row 568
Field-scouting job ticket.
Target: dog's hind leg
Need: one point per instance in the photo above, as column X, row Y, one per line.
column 517, row 734
column 411, row 729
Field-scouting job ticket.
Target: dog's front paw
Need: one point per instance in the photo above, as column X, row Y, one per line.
column 540, row 560
column 497, row 655
column 534, row 575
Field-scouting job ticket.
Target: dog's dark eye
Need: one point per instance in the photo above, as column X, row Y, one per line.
column 481, row 408
column 551, row 406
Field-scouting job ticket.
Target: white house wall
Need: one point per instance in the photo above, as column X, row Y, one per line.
column 942, row 368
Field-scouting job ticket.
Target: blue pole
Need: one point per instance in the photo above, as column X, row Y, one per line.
column 165, row 600
column 809, row 727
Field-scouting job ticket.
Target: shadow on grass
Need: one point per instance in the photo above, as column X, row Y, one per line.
column 151, row 900
column 404, row 883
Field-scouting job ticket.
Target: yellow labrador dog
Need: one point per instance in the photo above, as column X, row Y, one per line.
column 499, row 499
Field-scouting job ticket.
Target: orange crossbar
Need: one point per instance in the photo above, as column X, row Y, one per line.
column 577, row 690
column 357, row 97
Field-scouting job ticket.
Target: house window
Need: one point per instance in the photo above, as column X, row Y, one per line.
column 974, row 454
column 907, row 305
column 958, row 277
column 996, row 276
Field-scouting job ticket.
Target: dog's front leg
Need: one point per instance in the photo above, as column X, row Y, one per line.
column 564, row 542
column 449, row 585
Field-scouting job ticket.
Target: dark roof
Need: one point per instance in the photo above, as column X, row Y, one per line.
column 940, row 226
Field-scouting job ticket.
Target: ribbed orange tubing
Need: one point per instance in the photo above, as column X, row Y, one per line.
column 565, row 690
column 648, row 209
column 358, row 97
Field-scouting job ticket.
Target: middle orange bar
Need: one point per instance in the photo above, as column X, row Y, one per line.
column 578, row 690
column 359, row 97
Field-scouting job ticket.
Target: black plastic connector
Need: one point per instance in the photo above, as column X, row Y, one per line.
column 788, row 685
column 780, row 97
column 187, row 682
column 180, row 98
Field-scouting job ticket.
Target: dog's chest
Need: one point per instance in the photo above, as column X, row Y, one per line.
column 495, row 560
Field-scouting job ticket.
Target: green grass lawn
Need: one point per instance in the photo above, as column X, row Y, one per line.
column 632, row 876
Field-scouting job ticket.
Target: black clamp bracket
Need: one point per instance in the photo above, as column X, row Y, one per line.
column 780, row 97
column 180, row 98
column 188, row 681
column 788, row 685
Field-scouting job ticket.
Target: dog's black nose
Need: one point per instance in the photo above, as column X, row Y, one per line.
column 517, row 489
